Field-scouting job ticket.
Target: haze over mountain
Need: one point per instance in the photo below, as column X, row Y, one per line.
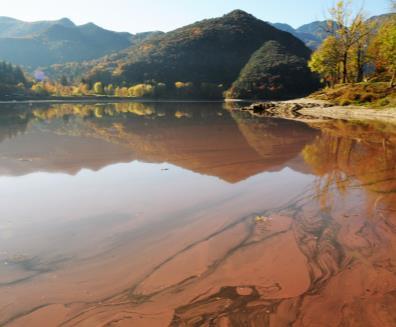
column 44, row 43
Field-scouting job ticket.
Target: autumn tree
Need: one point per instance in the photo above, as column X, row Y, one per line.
column 109, row 89
column 325, row 61
column 384, row 49
column 344, row 54
column 39, row 89
column 98, row 88
column 351, row 32
column 141, row 90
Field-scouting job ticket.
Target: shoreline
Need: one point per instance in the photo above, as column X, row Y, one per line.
column 103, row 100
column 302, row 109
column 313, row 110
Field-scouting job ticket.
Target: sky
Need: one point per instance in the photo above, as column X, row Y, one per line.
column 165, row 15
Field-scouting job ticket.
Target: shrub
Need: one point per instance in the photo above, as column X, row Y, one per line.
column 367, row 97
column 383, row 102
column 344, row 102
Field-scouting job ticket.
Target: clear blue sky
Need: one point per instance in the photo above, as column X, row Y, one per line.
column 143, row 15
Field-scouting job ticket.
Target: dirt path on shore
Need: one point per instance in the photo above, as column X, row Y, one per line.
column 308, row 110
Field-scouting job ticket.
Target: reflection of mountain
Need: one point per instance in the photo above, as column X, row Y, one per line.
column 200, row 141
column 200, row 137
column 38, row 151
column 277, row 141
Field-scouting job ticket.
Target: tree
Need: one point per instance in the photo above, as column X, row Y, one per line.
column 64, row 80
column 184, row 89
column 39, row 89
column 384, row 48
column 359, row 50
column 141, row 90
column 98, row 88
column 10, row 74
column 344, row 54
column 350, row 32
column 325, row 61
column 109, row 89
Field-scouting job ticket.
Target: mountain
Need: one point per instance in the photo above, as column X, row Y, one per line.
column 311, row 34
column 212, row 51
column 54, row 42
column 11, row 27
column 276, row 72
column 284, row 27
column 380, row 19
column 314, row 33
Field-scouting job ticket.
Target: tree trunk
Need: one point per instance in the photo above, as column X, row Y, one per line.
column 392, row 81
column 344, row 67
column 359, row 68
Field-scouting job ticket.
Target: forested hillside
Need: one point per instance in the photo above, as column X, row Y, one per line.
column 273, row 72
column 208, row 55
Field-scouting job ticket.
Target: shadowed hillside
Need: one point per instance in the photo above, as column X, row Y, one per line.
column 273, row 72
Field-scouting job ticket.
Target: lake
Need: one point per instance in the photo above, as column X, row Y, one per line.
column 193, row 214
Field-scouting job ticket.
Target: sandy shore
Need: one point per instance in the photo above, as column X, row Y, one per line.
column 307, row 109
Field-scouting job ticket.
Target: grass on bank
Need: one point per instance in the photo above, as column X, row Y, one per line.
column 374, row 95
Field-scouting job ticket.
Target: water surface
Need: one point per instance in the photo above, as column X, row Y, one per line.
column 191, row 214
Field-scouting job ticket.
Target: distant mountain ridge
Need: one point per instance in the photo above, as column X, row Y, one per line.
column 313, row 34
column 43, row 43
column 11, row 27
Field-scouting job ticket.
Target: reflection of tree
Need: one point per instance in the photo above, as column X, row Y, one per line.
column 13, row 121
column 94, row 110
column 349, row 151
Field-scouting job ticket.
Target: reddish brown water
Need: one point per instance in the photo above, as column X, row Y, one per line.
column 191, row 215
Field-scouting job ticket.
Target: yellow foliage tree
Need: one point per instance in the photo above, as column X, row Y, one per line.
column 384, row 49
column 325, row 61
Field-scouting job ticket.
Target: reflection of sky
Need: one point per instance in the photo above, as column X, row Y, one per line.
column 35, row 206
